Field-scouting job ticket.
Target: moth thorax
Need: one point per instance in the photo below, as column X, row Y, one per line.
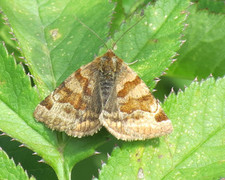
column 108, row 65
column 106, row 83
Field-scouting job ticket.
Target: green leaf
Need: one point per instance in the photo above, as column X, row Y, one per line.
column 195, row 150
column 5, row 35
column 154, row 40
column 17, row 102
column 8, row 169
column 130, row 6
column 213, row 6
column 117, row 18
column 27, row 159
column 203, row 53
column 123, row 11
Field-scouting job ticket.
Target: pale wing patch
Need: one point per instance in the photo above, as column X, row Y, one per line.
column 138, row 125
column 63, row 117
column 139, row 115
column 71, row 107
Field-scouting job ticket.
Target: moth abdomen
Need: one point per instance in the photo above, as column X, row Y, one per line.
column 106, row 85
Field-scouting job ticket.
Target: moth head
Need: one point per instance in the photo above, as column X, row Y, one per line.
column 108, row 62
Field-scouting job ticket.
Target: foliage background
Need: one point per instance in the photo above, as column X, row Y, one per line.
column 201, row 56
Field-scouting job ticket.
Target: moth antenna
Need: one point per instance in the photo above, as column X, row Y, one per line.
column 92, row 31
column 114, row 44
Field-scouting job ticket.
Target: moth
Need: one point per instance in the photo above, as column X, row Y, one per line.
column 106, row 92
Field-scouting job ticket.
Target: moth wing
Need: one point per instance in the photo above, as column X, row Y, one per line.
column 74, row 107
column 132, row 112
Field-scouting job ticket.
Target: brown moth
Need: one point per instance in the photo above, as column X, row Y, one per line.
column 106, row 92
